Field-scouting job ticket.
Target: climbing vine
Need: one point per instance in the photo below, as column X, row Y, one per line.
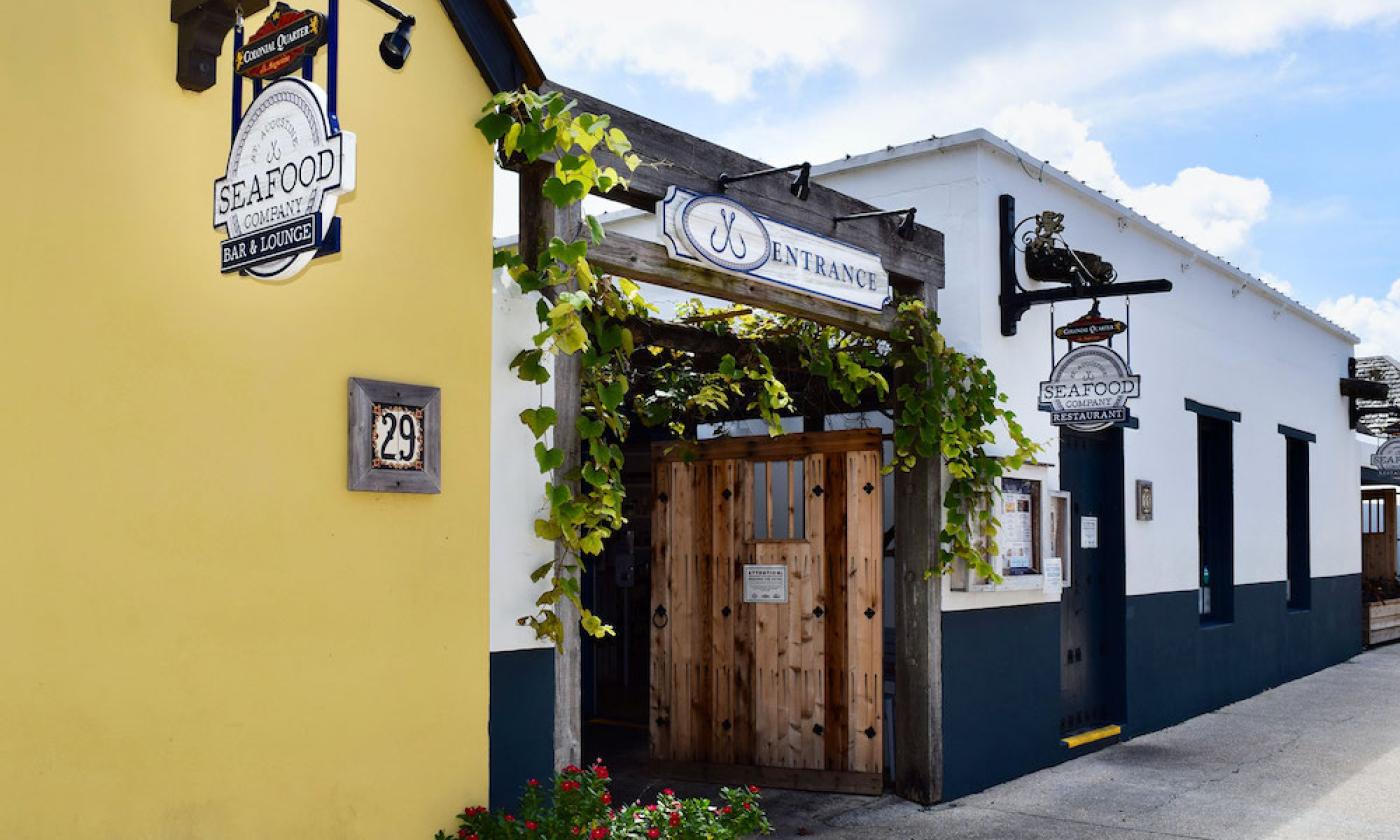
column 948, row 403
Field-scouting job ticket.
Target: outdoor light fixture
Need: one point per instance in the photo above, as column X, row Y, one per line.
column 906, row 227
column 394, row 46
column 801, row 185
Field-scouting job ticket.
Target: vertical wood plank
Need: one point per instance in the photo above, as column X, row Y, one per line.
column 865, row 649
column 745, row 632
column 814, row 627
column 660, row 731
column 702, row 608
column 681, row 607
column 724, row 482
column 834, row 512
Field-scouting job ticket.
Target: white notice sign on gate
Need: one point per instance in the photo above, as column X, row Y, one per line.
column 765, row 584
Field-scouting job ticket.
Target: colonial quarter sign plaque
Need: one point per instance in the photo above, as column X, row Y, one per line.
column 395, row 435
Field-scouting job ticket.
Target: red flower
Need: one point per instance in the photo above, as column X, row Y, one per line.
column 510, row 818
column 600, row 771
column 533, row 783
column 651, row 807
column 573, row 829
column 748, row 806
column 753, row 788
column 462, row 832
column 675, row 820
column 726, row 810
column 606, row 798
column 531, row 825
column 668, row 791
column 572, row 768
column 653, row 833
column 598, row 833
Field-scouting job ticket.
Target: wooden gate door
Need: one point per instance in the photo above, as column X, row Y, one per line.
column 767, row 558
column 1378, row 534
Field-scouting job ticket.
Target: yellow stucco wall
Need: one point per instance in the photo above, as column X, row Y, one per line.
column 202, row 632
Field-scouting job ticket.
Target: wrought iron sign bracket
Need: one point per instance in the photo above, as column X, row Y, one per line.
column 204, row 24
column 1015, row 300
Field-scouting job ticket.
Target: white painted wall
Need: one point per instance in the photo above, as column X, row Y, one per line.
column 517, row 488
column 1218, row 338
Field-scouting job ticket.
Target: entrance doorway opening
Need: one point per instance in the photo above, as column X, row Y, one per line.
column 748, row 597
column 1092, row 606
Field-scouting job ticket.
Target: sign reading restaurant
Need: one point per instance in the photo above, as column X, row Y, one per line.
column 1089, row 389
column 286, row 167
column 724, row 235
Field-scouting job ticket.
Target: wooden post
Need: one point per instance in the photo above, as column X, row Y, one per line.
column 540, row 221
column 918, row 617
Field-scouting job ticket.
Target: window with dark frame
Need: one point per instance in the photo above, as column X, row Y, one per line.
column 1216, row 508
column 1298, row 525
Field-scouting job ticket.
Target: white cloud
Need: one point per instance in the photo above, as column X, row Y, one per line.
column 1210, row 209
column 716, row 47
column 1376, row 321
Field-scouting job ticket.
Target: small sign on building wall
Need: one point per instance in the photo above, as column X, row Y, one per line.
column 1088, row 532
column 765, row 584
column 395, row 437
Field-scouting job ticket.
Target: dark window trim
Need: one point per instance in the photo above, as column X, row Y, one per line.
column 1211, row 411
column 1296, row 434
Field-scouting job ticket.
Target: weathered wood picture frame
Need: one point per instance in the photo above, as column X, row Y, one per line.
column 419, row 410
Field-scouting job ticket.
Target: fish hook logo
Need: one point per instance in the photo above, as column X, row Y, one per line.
column 728, row 221
column 737, row 239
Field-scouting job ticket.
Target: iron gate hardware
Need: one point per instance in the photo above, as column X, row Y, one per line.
column 868, row 488
column 725, row 612
column 725, row 724
column 869, row 612
column 818, row 612
column 662, row 498
column 870, row 732
column 817, row 729
column 659, row 619
column 816, row 490
column 726, row 494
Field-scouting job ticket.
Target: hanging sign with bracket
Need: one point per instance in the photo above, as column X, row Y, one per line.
column 722, row 234
column 288, row 161
column 1090, row 328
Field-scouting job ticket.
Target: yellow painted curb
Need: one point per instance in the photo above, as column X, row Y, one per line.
column 1092, row 735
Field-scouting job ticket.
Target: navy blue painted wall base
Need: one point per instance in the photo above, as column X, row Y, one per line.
column 522, row 721
column 1001, row 695
column 1001, row 670
column 1178, row 669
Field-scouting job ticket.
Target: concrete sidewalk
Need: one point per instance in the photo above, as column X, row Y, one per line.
column 1316, row 758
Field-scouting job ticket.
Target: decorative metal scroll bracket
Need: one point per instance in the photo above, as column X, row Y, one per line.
column 1015, row 300
column 204, row 24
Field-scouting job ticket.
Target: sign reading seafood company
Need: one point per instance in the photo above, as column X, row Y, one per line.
column 720, row 233
column 1089, row 389
column 286, row 167
column 1387, row 459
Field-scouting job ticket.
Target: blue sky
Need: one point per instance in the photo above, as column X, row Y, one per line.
column 1266, row 132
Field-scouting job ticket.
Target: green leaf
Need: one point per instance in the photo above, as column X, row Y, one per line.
column 494, row 126
column 595, row 227
column 548, row 458
column 563, row 194
column 539, row 419
column 545, row 530
column 611, row 393
column 588, row 428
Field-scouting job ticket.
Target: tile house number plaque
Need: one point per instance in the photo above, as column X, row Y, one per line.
column 395, row 434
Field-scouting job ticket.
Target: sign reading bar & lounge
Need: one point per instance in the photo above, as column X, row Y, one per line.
column 720, row 233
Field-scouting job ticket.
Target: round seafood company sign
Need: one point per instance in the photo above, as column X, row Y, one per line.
column 1387, row 459
column 287, row 165
column 1089, row 389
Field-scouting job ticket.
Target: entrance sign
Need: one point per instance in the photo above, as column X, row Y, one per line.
column 1387, row 459
column 720, row 233
column 286, row 37
column 1089, row 389
column 765, row 584
column 286, row 167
